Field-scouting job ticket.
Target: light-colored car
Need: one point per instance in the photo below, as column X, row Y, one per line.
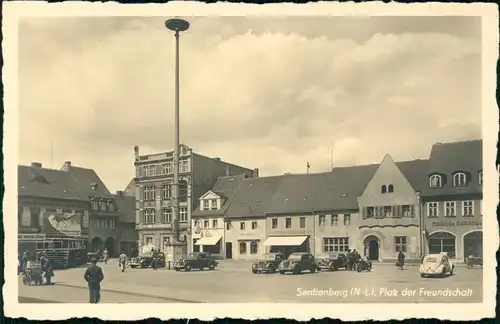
column 436, row 265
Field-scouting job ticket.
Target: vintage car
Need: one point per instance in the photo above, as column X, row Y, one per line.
column 436, row 265
column 298, row 262
column 269, row 263
column 146, row 261
column 196, row 260
column 332, row 261
column 472, row 261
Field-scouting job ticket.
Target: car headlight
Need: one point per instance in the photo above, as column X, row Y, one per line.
column 254, row 265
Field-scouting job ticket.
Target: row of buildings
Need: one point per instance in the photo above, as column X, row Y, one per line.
column 419, row 206
column 72, row 208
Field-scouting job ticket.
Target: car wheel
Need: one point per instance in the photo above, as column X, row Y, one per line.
column 312, row 270
column 282, row 272
column 201, row 268
column 177, row 269
column 452, row 269
column 211, row 266
column 333, row 267
column 188, row 267
column 443, row 272
column 422, row 275
column 296, row 271
column 271, row 269
column 254, row 271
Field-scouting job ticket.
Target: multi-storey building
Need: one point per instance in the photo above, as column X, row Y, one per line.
column 153, row 181
column 126, row 235
column 390, row 210
column 452, row 199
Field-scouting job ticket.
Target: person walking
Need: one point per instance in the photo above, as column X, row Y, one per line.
column 93, row 276
column 105, row 255
column 401, row 260
column 122, row 260
column 47, row 268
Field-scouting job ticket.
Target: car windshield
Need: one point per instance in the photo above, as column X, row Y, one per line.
column 295, row 257
column 268, row 256
column 430, row 260
column 191, row 256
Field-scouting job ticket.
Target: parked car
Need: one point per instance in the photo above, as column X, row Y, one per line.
column 332, row 261
column 436, row 265
column 146, row 261
column 297, row 263
column 269, row 263
column 196, row 260
column 472, row 261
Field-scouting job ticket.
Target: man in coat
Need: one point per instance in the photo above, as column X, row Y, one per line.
column 93, row 275
column 47, row 268
column 401, row 260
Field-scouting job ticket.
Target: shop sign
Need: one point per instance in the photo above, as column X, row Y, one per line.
column 31, row 237
column 471, row 222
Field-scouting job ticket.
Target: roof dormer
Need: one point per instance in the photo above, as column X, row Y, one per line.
column 460, row 178
column 436, row 180
column 210, row 201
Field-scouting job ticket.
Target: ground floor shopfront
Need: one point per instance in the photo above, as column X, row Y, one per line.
column 211, row 242
column 458, row 243
column 164, row 241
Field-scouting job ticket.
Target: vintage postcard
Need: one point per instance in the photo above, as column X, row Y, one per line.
column 259, row 161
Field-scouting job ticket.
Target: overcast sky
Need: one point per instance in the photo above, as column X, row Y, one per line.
column 269, row 93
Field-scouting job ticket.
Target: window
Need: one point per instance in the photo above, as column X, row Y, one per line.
column 196, row 224
column 442, row 242
column 206, row 224
column 166, row 191
column 254, row 225
column 146, row 170
column 149, row 215
column 94, row 204
column 102, row 205
column 432, row 209
column 166, row 215
column 243, row 247
column 480, row 180
column 111, row 207
column 302, row 222
column 183, row 214
column 149, row 193
column 383, row 189
column 152, row 170
column 242, row 226
column 450, row 209
column 370, row 212
column 166, row 240
column 459, row 179
column 400, row 243
column 335, row 244
column 468, row 208
column 215, row 223
column 214, row 204
column 183, row 166
column 149, row 240
column 254, row 247
column 274, row 223
column 387, row 211
column 183, row 190
column 435, row 181
column 322, row 220
column 390, row 188
column 229, row 225
column 166, row 168
column 347, row 219
column 288, row 222
column 406, row 210
column 335, row 220
column 206, row 204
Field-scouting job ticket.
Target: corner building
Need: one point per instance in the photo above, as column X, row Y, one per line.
column 154, row 177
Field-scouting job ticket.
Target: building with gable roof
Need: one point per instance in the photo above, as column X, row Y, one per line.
column 452, row 197
column 153, row 181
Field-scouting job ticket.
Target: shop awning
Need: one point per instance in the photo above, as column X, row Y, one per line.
column 208, row 240
column 285, row 240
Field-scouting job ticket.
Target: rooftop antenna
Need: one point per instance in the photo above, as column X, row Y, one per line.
column 308, row 167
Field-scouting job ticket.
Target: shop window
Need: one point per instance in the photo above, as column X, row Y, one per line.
column 254, row 247
column 243, row 247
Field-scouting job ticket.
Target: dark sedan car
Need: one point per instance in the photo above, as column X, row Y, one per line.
column 269, row 263
column 332, row 261
column 298, row 262
column 196, row 260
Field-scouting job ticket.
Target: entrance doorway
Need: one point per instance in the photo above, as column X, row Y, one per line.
column 473, row 244
column 229, row 250
column 96, row 244
column 372, row 247
column 110, row 245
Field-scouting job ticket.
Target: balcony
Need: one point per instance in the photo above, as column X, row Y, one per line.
column 389, row 221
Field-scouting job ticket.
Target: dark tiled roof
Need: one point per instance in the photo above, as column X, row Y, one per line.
column 84, row 178
column 253, row 197
column 447, row 158
column 130, row 189
column 126, row 207
column 224, row 187
column 415, row 172
column 57, row 184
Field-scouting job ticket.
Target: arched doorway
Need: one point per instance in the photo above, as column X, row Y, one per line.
column 473, row 244
column 372, row 247
column 229, row 250
column 443, row 242
column 96, row 244
column 110, row 245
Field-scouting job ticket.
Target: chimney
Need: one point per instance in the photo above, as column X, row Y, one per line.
column 255, row 173
column 136, row 151
column 217, row 159
column 93, row 186
column 36, row 164
column 119, row 193
column 228, row 171
column 67, row 165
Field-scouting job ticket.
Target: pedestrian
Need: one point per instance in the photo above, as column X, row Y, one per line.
column 401, row 260
column 354, row 256
column 348, row 260
column 93, row 276
column 47, row 268
column 154, row 262
column 122, row 260
column 105, row 255
column 24, row 261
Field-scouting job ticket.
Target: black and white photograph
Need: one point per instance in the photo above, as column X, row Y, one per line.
column 270, row 164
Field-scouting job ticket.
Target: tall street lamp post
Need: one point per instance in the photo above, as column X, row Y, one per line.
column 177, row 26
